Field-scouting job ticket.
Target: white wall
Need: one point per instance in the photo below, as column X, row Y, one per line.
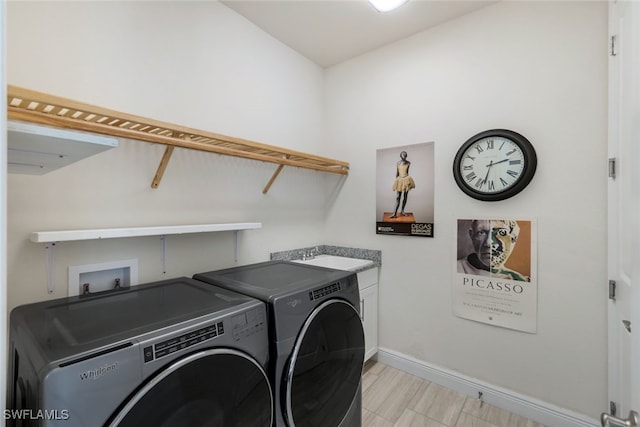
column 539, row 68
column 196, row 64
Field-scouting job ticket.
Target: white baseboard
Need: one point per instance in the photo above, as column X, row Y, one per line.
column 537, row 410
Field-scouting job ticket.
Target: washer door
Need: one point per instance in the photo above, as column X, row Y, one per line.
column 213, row 388
column 324, row 372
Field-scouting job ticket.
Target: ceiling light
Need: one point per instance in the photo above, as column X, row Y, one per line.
column 386, row 5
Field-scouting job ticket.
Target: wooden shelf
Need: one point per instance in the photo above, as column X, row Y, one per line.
column 37, row 107
column 113, row 233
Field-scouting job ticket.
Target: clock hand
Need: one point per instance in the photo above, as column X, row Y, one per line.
column 501, row 161
column 488, row 169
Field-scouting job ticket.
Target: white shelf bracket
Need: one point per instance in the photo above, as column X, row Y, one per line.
column 50, row 262
column 163, row 253
column 235, row 246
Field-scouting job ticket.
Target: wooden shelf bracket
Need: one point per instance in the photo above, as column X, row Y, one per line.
column 162, row 166
column 273, row 178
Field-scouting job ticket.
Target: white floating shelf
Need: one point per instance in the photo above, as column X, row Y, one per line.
column 36, row 149
column 113, row 233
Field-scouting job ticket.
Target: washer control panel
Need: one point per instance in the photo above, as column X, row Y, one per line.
column 240, row 326
column 181, row 342
column 248, row 323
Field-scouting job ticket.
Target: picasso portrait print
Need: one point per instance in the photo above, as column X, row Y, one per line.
column 494, row 280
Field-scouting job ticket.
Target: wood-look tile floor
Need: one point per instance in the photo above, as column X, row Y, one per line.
column 393, row 398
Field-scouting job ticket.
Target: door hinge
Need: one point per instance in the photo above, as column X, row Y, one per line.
column 612, row 167
column 613, row 48
column 612, row 290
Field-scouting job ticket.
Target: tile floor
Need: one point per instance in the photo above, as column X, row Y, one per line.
column 393, row 398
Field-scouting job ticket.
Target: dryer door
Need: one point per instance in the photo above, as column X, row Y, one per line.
column 216, row 387
column 324, row 372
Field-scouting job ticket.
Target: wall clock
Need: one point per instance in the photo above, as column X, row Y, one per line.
column 494, row 165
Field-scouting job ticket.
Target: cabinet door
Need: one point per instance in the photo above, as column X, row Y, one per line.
column 369, row 316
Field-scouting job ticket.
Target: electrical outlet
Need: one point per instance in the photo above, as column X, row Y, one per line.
column 104, row 276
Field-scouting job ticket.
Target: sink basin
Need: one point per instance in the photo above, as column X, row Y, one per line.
column 338, row 262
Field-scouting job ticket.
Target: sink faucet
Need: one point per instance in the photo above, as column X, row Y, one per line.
column 309, row 254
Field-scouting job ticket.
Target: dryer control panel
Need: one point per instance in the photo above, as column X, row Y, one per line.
column 324, row 291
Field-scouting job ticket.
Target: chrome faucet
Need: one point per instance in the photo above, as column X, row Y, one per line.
column 309, row 254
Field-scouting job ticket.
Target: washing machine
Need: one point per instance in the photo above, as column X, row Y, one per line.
column 171, row 353
column 317, row 339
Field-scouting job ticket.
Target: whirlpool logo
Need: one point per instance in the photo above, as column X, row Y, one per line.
column 95, row 374
column 293, row 302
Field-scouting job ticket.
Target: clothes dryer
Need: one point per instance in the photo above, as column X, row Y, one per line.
column 317, row 339
column 171, row 353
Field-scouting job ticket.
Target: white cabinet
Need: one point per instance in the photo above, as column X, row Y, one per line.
column 368, row 286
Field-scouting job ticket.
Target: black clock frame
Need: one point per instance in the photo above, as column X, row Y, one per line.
column 529, row 169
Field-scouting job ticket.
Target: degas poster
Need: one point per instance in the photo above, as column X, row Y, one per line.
column 495, row 277
column 405, row 190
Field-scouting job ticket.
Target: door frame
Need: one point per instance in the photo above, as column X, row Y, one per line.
column 624, row 149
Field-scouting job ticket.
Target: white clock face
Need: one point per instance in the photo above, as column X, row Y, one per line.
column 492, row 165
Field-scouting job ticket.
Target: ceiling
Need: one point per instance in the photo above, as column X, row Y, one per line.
column 331, row 31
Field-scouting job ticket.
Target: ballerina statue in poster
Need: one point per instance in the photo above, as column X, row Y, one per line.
column 402, row 184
